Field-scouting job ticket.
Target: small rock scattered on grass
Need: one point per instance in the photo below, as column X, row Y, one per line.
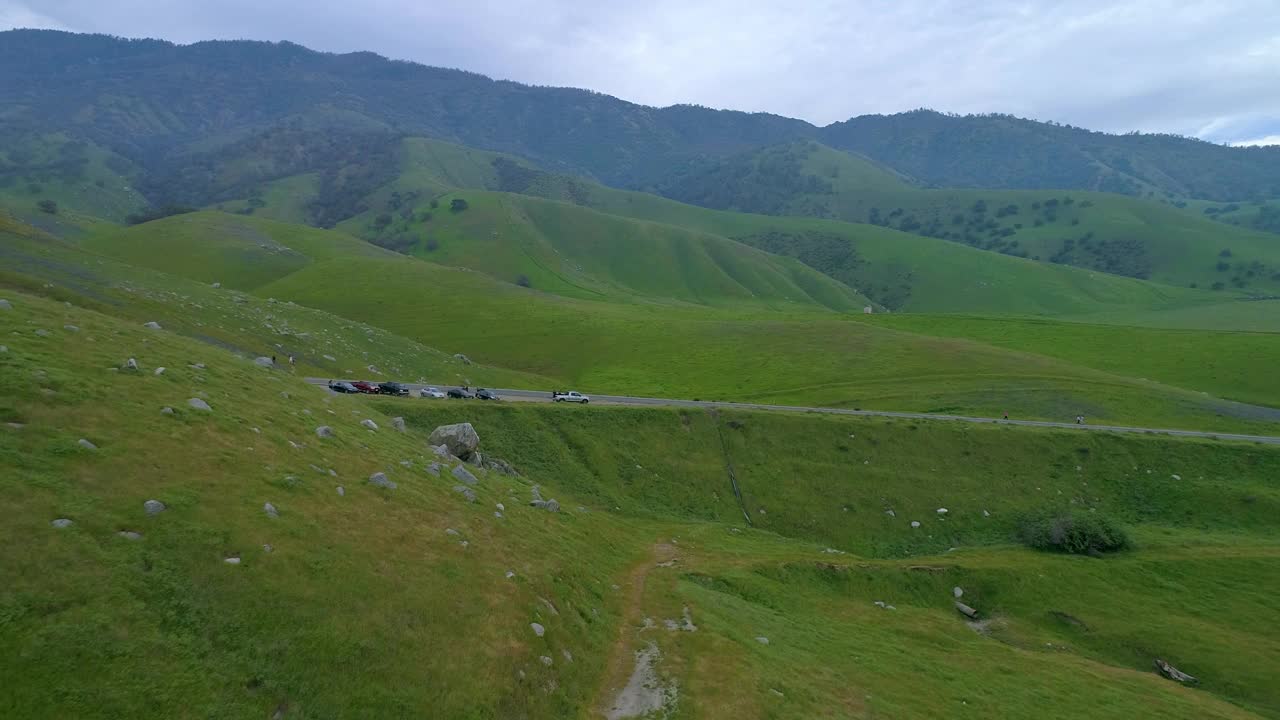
column 86, row 444
column 153, row 507
column 537, row 627
column 199, row 404
column 398, row 423
column 324, row 431
column 341, row 491
column 130, row 535
column 380, row 479
column 62, row 523
column 369, row 424
column 466, row 492
column 270, row 510
column 762, row 640
column 153, row 325
column 464, row 475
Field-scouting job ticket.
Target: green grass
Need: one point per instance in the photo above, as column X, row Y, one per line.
column 1231, row 365
column 1114, row 233
column 365, row 606
column 510, row 237
column 659, row 349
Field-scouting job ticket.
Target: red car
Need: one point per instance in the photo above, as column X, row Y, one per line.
column 367, row 387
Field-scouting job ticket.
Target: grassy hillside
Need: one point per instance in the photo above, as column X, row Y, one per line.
column 322, row 344
column 364, row 603
column 1100, row 231
column 569, row 250
column 598, row 256
column 668, row 350
column 512, row 238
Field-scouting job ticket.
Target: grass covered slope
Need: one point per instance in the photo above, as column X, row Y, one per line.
column 1100, row 231
column 321, row 343
column 569, row 250
column 364, row 604
column 692, row 352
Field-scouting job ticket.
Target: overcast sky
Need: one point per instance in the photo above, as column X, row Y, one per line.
column 1209, row 69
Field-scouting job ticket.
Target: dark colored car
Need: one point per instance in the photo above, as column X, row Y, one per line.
column 460, row 394
column 366, row 387
column 340, row 386
column 394, row 388
column 487, row 394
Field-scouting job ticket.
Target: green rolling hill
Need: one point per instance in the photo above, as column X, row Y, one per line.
column 1099, row 231
column 745, row 350
column 384, row 601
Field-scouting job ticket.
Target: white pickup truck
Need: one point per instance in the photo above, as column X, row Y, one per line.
column 571, row 396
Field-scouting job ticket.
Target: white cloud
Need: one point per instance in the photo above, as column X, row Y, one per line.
column 1158, row 65
column 1258, row 142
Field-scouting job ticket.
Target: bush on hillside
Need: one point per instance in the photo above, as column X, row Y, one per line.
column 458, row 205
column 1072, row 531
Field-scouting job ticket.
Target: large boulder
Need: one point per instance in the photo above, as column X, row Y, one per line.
column 460, row 439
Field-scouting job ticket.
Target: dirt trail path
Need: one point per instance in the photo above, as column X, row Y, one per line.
column 620, row 664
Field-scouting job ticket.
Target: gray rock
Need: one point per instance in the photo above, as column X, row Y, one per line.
column 264, row 362
column 153, row 325
column 130, row 535
column 459, row 439
column 158, row 371
column 406, row 463
column 451, row 531
column 501, row 507
column 369, row 424
column 233, row 560
column 551, row 505
column 154, row 507
column 536, row 492
column 4, row 349
column 537, row 628
column 196, row 366
column 130, row 364
column 500, row 465
column 86, row 444
column 762, row 640
column 199, row 404
column 380, row 479
column 5, row 305
column 463, row 474
column 270, row 510
column 545, row 660
column 434, row 468
column 957, row 592
column 324, row 431
column 466, row 492
column 166, row 410
column 462, row 358
column 62, row 522
column 986, row 514
column 890, row 513
column 915, row 523
column 341, row 491
column 398, row 423
column 475, row 459
column 267, row 547
column 443, row 453
column 42, row 333
column 942, row 511
column 330, row 358
column 71, row 328
column 216, row 285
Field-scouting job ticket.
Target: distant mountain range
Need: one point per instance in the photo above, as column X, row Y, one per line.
column 168, row 110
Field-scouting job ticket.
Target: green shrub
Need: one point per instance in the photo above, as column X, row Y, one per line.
column 1072, row 531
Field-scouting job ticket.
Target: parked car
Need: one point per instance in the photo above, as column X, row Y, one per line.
column 487, row 394
column 366, row 387
column 571, row 396
column 460, row 394
column 341, row 386
column 430, row 392
column 394, row 388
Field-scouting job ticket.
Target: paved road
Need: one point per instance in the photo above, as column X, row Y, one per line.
column 545, row 396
